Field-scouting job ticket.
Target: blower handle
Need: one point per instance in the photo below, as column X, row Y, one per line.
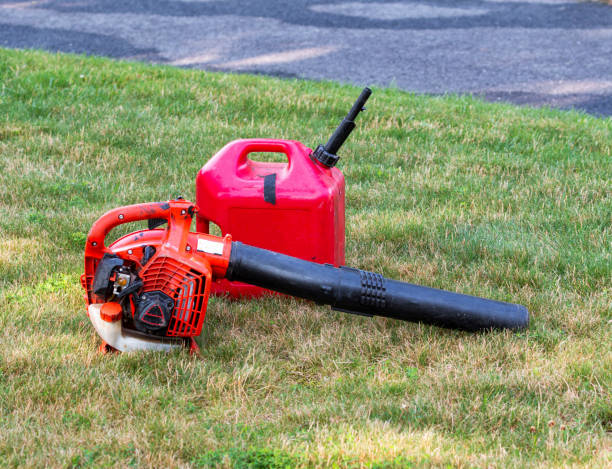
column 177, row 211
column 326, row 154
column 368, row 293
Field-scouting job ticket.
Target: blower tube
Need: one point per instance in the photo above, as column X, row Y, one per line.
column 368, row 293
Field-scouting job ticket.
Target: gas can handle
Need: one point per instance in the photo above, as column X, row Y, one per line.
column 288, row 147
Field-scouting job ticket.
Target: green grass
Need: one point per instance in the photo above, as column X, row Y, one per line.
column 492, row 200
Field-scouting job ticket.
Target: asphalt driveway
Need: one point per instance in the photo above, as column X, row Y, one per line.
column 536, row 52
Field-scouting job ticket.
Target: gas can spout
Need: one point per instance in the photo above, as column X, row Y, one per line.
column 326, row 154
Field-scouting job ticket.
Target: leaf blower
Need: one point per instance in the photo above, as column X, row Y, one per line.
column 149, row 289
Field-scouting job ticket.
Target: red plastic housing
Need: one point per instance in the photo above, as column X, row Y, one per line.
column 295, row 208
column 179, row 267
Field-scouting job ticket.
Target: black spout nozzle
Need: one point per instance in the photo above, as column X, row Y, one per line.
column 326, row 154
column 370, row 294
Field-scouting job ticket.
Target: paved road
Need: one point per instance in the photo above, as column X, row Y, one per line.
column 535, row 52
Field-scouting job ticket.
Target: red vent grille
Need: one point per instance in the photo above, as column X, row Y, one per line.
column 186, row 287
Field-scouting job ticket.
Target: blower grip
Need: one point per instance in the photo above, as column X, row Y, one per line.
column 121, row 215
column 368, row 293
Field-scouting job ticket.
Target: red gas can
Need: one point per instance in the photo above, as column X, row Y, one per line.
column 295, row 208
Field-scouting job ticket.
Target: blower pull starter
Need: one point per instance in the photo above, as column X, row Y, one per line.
column 149, row 289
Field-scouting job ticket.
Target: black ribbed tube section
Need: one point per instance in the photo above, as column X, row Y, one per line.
column 362, row 292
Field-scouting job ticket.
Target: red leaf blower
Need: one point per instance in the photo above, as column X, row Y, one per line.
column 149, row 289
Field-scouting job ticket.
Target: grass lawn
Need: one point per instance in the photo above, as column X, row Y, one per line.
column 493, row 200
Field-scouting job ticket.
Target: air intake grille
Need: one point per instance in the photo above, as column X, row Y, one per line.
column 186, row 287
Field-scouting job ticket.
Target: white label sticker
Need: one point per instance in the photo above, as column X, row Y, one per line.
column 211, row 247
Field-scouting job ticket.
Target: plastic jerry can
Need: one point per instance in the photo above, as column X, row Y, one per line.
column 295, row 208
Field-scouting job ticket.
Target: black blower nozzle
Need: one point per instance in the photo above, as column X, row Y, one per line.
column 326, row 154
column 370, row 294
